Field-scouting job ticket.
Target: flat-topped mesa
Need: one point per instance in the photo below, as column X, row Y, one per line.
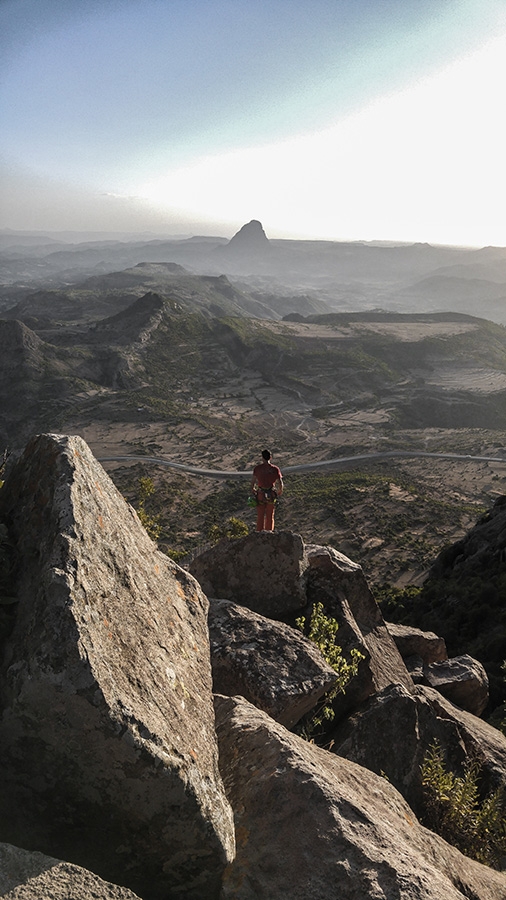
column 109, row 756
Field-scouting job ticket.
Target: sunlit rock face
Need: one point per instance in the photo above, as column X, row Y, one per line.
column 29, row 875
column 313, row 825
column 109, row 757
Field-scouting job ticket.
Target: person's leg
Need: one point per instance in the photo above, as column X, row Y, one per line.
column 260, row 516
column 269, row 517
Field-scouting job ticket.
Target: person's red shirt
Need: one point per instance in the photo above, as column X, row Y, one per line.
column 266, row 474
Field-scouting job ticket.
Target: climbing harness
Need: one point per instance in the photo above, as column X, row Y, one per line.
column 269, row 495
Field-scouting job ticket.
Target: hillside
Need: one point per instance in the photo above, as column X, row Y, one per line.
column 104, row 295
column 346, row 276
column 463, row 598
column 208, row 390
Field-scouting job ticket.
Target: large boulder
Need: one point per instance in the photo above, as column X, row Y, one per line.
column 263, row 571
column 462, row 680
column 411, row 641
column 109, row 756
column 393, row 731
column 277, row 576
column 29, row 875
column 313, row 825
column 269, row 663
column 340, row 586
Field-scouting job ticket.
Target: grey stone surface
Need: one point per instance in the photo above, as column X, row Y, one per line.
column 412, row 641
column 264, row 572
column 29, row 875
column 340, row 586
column 313, row 826
column 270, row 664
column 109, row 756
column 393, row 731
column 462, row 680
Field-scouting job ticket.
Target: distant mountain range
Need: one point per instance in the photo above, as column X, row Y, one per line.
column 343, row 276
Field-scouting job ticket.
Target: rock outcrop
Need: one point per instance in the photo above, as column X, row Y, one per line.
column 463, row 598
column 340, row 586
column 462, row 680
column 29, row 875
column 108, row 735
column 264, row 572
column 270, row 664
column 277, row 575
column 250, row 239
column 109, row 757
column 425, row 645
column 313, row 825
column 393, row 731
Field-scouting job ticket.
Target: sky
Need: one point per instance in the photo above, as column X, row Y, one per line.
column 324, row 119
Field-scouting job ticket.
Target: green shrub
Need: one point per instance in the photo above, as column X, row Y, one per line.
column 322, row 631
column 175, row 555
column 233, row 529
column 453, row 809
column 149, row 522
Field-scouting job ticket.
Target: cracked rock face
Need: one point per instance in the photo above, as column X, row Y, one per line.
column 313, row 825
column 269, row 663
column 109, row 756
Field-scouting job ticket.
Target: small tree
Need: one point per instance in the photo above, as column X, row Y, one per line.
column 322, row 631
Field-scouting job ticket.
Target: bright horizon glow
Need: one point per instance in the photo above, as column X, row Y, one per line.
column 324, row 119
column 426, row 163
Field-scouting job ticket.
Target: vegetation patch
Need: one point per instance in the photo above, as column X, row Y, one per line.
column 322, row 631
column 454, row 809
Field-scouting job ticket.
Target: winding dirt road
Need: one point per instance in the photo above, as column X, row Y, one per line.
column 342, row 462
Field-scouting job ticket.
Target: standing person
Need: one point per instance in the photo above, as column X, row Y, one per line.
column 267, row 485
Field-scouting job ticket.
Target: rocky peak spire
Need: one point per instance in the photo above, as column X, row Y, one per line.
column 250, row 238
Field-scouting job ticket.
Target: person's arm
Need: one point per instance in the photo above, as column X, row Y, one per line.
column 279, row 485
column 253, row 485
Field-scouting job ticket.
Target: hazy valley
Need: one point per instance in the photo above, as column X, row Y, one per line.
column 159, row 360
column 346, row 277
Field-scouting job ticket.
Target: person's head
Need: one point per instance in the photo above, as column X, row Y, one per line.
column 266, row 455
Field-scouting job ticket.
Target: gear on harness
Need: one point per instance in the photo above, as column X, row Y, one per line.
column 266, row 495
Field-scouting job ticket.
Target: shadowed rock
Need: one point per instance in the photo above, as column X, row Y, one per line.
column 264, row 572
column 107, row 741
column 313, row 825
column 462, row 680
column 395, row 728
column 412, row 641
column 29, row 875
column 270, row 664
column 340, row 586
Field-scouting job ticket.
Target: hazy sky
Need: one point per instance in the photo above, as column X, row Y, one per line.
column 336, row 119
